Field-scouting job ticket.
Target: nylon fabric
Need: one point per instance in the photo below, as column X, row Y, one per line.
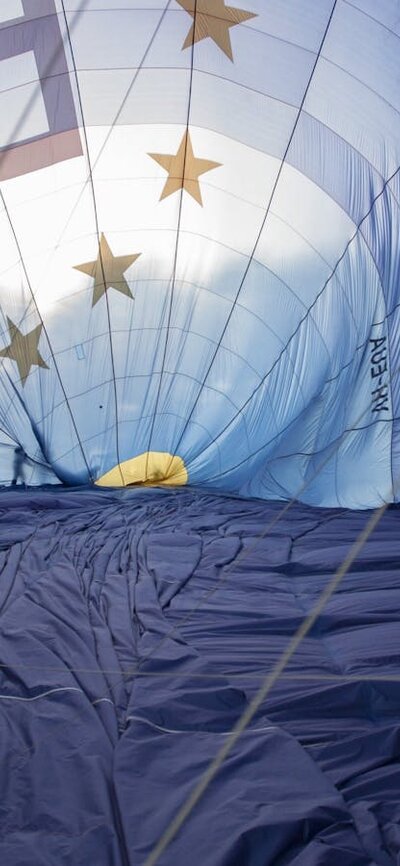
column 199, row 244
column 100, row 747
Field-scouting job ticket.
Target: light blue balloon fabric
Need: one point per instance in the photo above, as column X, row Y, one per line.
column 246, row 184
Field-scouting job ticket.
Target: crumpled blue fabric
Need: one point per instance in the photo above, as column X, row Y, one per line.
column 115, row 695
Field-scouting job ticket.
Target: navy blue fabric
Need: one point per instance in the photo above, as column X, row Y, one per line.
column 108, row 717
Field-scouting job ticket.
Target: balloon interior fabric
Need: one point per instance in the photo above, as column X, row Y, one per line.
column 199, row 290
column 199, row 224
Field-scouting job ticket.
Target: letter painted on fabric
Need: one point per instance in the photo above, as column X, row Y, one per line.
column 380, row 398
column 40, row 111
column 378, row 370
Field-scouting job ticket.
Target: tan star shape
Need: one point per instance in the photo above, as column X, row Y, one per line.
column 23, row 349
column 212, row 18
column 184, row 169
column 108, row 271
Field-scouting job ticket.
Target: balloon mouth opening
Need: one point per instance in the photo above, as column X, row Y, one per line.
column 150, row 469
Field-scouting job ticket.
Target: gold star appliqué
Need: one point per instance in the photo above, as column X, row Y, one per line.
column 212, row 18
column 184, row 169
column 108, row 271
column 23, row 349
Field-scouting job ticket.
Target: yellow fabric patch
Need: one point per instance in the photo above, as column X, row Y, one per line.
column 152, row 469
